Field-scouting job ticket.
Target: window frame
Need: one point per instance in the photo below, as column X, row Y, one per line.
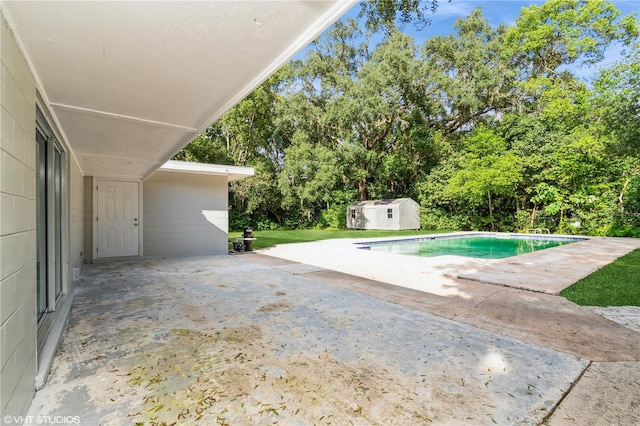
column 51, row 184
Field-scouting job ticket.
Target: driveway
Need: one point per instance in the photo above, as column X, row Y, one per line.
column 258, row 340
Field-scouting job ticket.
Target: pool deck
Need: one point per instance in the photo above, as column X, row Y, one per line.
column 258, row 339
column 546, row 271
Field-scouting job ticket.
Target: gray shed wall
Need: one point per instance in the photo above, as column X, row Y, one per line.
column 185, row 214
column 405, row 215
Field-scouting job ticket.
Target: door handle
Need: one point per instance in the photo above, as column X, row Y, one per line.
column 135, row 224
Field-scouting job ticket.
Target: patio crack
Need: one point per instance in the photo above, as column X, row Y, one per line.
column 566, row 393
column 482, row 299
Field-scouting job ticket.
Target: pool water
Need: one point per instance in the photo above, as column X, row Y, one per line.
column 479, row 246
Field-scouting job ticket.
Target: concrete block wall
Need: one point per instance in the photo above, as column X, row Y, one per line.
column 76, row 219
column 88, row 219
column 18, row 320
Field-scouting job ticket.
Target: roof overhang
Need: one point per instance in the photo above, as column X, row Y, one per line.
column 130, row 83
column 232, row 173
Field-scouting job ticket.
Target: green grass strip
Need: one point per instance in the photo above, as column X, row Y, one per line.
column 265, row 239
column 615, row 284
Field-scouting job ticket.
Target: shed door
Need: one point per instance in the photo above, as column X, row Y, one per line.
column 117, row 218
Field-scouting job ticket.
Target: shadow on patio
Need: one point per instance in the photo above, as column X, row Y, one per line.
column 227, row 340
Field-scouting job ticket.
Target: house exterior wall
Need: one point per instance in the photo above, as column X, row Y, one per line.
column 76, row 219
column 24, row 359
column 88, row 219
column 185, row 214
column 18, row 325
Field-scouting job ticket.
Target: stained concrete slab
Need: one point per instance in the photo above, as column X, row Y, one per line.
column 300, row 268
column 629, row 316
column 532, row 316
column 609, row 391
column 607, row 394
column 546, row 320
column 229, row 340
column 552, row 270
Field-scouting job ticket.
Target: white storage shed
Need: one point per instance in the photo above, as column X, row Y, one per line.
column 396, row 214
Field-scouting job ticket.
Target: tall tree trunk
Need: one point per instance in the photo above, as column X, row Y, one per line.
column 493, row 226
column 533, row 214
column 621, row 196
column 362, row 189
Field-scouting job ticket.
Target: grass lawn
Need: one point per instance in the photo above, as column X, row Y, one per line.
column 270, row 238
column 616, row 284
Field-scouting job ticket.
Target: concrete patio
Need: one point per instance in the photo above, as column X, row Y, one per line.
column 254, row 339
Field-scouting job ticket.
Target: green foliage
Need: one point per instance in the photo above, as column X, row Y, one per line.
column 334, row 216
column 617, row 96
column 467, row 74
column 486, row 169
column 487, row 128
column 625, row 225
column 389, row 14
column 436, row 219
column 616, row 284
column 308, row 176
column 564, row 32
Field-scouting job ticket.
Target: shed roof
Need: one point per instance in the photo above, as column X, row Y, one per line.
column 382, row 202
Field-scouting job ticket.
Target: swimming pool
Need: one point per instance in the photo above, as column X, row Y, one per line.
column 484, row 246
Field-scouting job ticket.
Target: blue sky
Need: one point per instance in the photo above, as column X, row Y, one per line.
column 497, row 12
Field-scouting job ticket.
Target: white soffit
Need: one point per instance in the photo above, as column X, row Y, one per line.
column 232, row 172
column 130, row 83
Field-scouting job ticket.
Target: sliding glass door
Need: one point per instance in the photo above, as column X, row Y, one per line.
column 41, row 223
column 50, row 178
column 58, row 171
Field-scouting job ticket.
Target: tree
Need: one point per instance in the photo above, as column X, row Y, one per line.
column 617, row 101
column 389, row 15
column 244, row 133
column 563, row 154
column 308, row 177
column 257, row 199
column 465, row 75
column 563, row 32
column 372, row 115
column 487, row 169
column 327, row 74
column 488, row 128
column 358, row 103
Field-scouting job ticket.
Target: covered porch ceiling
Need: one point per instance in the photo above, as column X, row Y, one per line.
column 130, row 83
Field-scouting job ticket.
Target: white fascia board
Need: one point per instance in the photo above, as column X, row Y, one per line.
column 232, row 172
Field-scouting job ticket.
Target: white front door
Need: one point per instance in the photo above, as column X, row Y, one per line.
column 117, row 218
